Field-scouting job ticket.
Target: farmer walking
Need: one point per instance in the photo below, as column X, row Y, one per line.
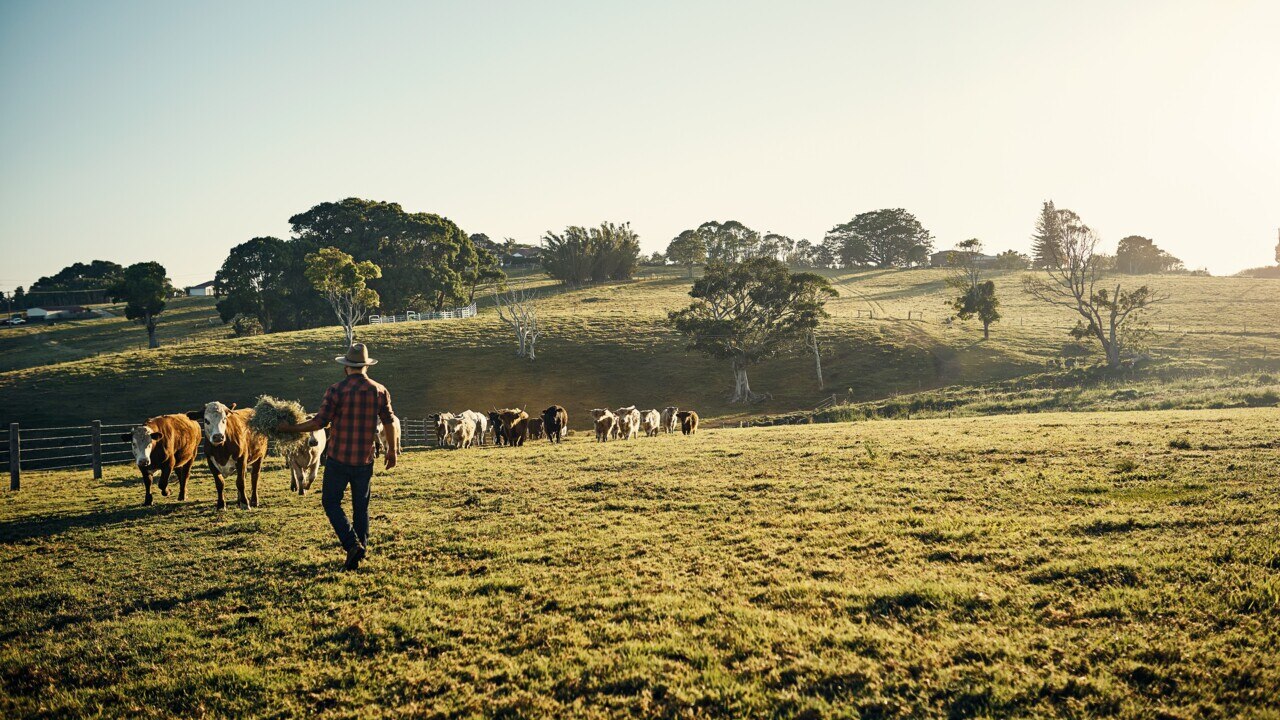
column 352, row 409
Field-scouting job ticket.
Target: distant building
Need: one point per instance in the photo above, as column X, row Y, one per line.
column 204, row 289
column 952, row 258
column 524, row 255
column 59, row 312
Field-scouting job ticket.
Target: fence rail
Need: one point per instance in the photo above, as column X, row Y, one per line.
column 98, row 444
column 414, row 316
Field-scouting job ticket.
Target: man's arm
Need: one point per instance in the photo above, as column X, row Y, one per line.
column 387, row 416
column 320, row 420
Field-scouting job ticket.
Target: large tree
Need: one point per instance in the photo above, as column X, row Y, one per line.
column 1046, row 241
column 579, row 255
column 144, row 287
column 750, row 311
column 344, row 283
column 689, row 248
column 426, row 259
column 883, row 238
column 79, row 283
column 1136, row 255
column 1114, row 316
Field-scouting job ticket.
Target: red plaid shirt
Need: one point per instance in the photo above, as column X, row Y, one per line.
column 352, row 409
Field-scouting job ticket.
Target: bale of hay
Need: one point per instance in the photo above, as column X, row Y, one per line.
column 270, row 412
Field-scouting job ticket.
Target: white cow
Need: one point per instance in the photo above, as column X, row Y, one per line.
column 479, row 422
column 628, row 422
column 461, row 432
column 442, row 428
column 384, row 439
column 669, row 418
column 304, row 461
column 650, row 422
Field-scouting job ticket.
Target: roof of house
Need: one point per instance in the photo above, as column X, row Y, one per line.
column 202, row 285
column 61, row 308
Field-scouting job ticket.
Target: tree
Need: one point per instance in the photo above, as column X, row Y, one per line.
column 802, row 255
column 977, row 298
column 344, row 283
column 144, row 287
column 1115, row 317
column 1278, row 253
column 750, row 311
column 730, row 241
column 251, row 281
column 1012, row 260
column 1046, row 242
column 19, row 298
column 580, row 255
column 1136, row 255
column 689, row 248
column 79, row 283
column 517, row 309
column 883, row 238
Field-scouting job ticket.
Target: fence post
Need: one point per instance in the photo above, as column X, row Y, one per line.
column 97, row 449
column 15, row 458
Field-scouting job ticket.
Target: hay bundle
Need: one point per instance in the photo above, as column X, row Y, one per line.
column 270, row 412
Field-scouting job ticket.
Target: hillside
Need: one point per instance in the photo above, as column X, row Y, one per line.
column 1061, row 565
column 609, row 345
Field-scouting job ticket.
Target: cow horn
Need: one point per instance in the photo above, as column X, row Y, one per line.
column 233, row 405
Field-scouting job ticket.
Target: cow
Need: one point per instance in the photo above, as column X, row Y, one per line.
column 462, row 432
column 166, row 443
column 231, row 447
column 650, row 422
column 555, row 422
column 515, row 425
column 688, row 421
column 669, row 418
column 495, row 422
column 535, row 428
column 442, row 428
column 382, row 439
column 305, row 459
column 628, row 422
column 479, row 423
column 606, row 424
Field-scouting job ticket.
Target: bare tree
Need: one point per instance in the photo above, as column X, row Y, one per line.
column 1112, row 317
column 516, row 308
column 811, row 342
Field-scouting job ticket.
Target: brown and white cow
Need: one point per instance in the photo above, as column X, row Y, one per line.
column 231, row 447
column 535, row 428
column 606, row 424
column 650, row 422
column 304, row 460
column 688, row 421
column 167, row 444
column 669, row 418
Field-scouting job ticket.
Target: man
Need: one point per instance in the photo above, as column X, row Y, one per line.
column 352, row 409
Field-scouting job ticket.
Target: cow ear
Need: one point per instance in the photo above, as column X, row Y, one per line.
column 127, row 437
column 195, row 415
column 155, row 436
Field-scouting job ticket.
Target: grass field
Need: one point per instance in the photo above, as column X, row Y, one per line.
column 609, row 345
column 1119, row 564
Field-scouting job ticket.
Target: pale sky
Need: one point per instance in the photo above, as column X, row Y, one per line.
column 172, row 130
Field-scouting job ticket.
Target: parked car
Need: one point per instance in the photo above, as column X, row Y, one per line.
column 15, row 320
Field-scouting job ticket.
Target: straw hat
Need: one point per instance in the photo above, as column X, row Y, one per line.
column 357, row 356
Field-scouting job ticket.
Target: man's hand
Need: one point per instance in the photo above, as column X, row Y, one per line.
column 309, row 426
column 391, row 459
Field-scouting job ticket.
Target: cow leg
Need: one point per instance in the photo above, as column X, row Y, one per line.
column 257, row 470
column 163, row 482
column 146, row 483
column 242, row 502
column 294, row 484
column 219, row 483
column 184, row 472
column 311, row 477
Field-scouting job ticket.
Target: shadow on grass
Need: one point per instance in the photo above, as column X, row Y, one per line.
column 37, row 527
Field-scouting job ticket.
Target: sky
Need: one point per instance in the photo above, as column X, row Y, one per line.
column 173, row 130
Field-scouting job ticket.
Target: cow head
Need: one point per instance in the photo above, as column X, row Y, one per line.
column 215, row 421
column 144, row 440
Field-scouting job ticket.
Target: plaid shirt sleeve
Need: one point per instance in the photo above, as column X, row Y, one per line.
column 327, row 407
column 384, row 407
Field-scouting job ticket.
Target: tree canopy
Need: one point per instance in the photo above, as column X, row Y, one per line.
column 883, row 238
column 144, row 287
column 580, row 255
column 750, row 311
column 1136, row 255
column 344, row 284
column 79, row 283
column 689, row 248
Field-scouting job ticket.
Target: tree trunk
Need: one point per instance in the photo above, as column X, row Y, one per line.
column 350, row 333
column 741, row 385
column 151, row 332
column 817, row 359
column 690, row 270
column 986, row 331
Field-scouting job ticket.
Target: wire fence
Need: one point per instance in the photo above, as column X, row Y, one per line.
column 97, row 444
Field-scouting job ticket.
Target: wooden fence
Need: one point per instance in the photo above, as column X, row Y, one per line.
column 96, row 444
column 412, row 316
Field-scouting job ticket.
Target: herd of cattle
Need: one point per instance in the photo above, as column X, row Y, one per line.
column 168, row 444
column 513, row 426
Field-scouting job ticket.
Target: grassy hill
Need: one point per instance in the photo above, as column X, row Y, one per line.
column 609, row 345
column 1049, row 565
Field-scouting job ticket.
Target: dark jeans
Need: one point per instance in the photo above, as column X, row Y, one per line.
column 336, row 478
